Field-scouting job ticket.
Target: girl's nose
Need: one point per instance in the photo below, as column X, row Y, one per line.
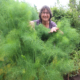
column 45, row 14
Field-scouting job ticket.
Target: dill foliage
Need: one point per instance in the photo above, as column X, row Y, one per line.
column 27, row 54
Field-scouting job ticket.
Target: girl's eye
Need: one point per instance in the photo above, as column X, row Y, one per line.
column 45, row 12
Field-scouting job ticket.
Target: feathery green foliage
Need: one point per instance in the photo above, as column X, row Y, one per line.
column 27, row 54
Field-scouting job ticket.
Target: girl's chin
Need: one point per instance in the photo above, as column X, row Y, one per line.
column 45, row 20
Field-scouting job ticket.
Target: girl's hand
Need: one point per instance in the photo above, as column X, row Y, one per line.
column 32, row 24
column 53, row 29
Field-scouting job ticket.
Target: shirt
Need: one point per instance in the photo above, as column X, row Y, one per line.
column 51, row 24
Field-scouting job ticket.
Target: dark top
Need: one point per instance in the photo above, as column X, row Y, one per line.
column 51, row 24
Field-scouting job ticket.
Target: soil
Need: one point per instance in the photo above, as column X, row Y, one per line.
column 77, row 77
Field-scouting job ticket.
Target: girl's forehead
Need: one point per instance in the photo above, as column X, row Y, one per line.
column 45, row 10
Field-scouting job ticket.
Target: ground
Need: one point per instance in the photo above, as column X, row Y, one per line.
column 77, row 77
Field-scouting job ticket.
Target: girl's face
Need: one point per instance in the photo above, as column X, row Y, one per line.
column 45, row 15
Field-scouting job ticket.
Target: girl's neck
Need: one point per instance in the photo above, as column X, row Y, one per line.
column 46, row 23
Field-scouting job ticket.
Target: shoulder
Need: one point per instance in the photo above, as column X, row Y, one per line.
column 37, row 21
column 53, row 23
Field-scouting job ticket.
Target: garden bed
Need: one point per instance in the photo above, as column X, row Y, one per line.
column 77, row 77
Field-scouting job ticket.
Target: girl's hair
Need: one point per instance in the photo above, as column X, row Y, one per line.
column 43, row 8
